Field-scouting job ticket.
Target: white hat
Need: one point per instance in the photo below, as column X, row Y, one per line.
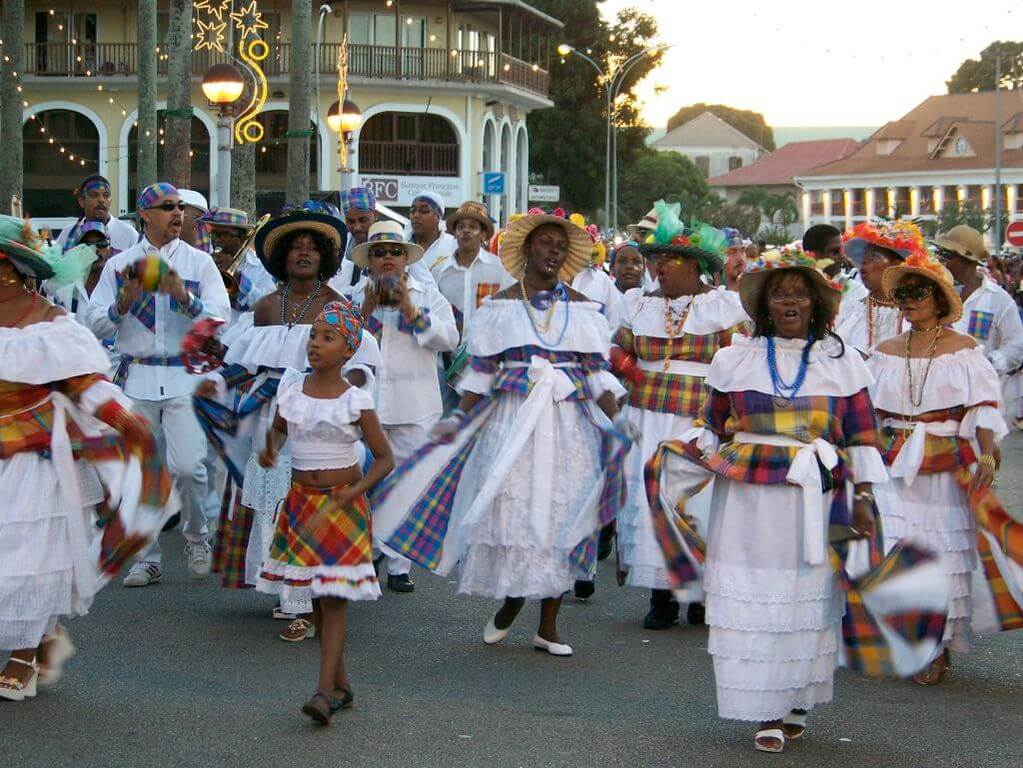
column 194, row 199
column 385, row 232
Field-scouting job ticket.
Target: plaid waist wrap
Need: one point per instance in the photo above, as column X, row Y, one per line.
column 512, row 372
column 942, row 453
column 126, row 361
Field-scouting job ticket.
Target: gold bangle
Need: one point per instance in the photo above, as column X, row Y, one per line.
column 987, row 460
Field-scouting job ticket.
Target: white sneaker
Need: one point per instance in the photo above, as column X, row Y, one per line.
column 200, row 558
column 142, row 575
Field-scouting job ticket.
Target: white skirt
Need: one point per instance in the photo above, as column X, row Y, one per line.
column 36, row 561
column 774, row 620
column 263, row 490
column 638, row 549
column 517, row 547
column 934, row 513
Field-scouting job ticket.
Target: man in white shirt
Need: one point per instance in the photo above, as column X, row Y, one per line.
column 195, row 208
column 595, row 284
column 359, row 206
column 93, row 197
column 426, row 217
column 226, row 229
column 413, row 322
column 148, row 329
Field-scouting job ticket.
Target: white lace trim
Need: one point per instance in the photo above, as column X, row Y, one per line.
column 306, row 412
column 775, row 647
column 759, row 706
column 774, row 675
column 501, row 324
column 710, row 312
column 352, row 582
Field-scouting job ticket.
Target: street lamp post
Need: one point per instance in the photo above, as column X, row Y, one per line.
column 223, row 85
column 344, row 119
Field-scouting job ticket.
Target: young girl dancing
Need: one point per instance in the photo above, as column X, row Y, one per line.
column 322, row 544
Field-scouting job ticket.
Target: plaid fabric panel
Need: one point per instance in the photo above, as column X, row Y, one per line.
column 374, row 326
column 485, row 290
column 980, row 324
column 232, row 540
column 193, row 287
column 941, row 454
column 314, row 530
column 681, row 395
column 517, row 379
column 624, row 338
column 688, row 346
column 614, row 446
column 143, row 308
column 421, row 323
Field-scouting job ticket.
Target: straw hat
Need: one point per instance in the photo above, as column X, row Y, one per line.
column 925, row 265
column 385, row 232
column 298, row 220
column 964, row 241
column 20, row 243
column 513, row 246
column 787, row 258
column 901, row 237
column 476, row 212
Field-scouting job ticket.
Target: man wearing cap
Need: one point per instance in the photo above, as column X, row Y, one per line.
column 359, row 205
column 413, row 323
column 989, row 314
column 426, row 218
column 93, row 198
column 148, row 328
column 195, row 207
column 227, row 229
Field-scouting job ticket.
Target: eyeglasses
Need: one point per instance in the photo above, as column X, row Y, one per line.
column 914, row 292
column 776, row 297
column 100, row 244
column 383, row 253
column 944, row 254
column 167, row 207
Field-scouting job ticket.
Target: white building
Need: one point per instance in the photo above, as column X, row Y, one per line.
column 714, row 146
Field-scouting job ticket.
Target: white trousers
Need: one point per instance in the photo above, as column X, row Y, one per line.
column 404, row 439
column 185, row 447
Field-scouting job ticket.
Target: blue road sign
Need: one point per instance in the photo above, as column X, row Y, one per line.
column 493, row 183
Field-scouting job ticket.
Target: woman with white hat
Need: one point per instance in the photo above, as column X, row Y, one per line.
column 521, row 477
column 413, row 323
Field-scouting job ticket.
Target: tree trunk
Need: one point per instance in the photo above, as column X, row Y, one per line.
column 298, row 102
column 178, row 117
column 146, row 133
column 243, row 178
column 11, row 148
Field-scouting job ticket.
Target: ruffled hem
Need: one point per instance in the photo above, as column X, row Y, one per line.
column 867, row 464
column 296, row 582
column 711, row 312
column 52, row 351
column 769, row 676
column 983, row 417
column 306, row 412
column 761, row 706
column 501, row 571
column 501, row 324
column 270, row 346
column 605, row 381
column 775, row 647
column 763, row 586
column 771, row 617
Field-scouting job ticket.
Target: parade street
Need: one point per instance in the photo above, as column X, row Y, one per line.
column 191, row 675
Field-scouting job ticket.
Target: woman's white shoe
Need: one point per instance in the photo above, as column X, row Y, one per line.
column 775, row 734
column 13, row 689
column 554, row 649
column 493, row 635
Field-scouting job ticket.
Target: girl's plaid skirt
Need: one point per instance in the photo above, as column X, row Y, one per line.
column 320, row 548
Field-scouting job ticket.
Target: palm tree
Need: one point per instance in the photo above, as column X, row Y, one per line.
column 146, row 133
column 178, row 117
column 12, row 32
column 298, row 101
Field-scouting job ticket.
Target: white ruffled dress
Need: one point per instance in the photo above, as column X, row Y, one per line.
column 773, row 606
column 932, row 509
column 660, row 416
column 864, row 328
column 528, row 492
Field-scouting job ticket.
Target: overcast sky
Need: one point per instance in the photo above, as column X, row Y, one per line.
column 816, row 62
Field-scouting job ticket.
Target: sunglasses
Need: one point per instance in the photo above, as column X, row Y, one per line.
column 99, row 244
column 383, row 253
column 167, row 207
column 916, row 292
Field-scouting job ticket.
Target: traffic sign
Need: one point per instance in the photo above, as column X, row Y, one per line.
column 544, row 193
column 493, row 183
column 1014, row 234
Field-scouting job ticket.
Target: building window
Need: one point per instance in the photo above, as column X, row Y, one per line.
column 926, row 200
column 859, row 203
column 408, row 144
column 903, row 204
column 49, row 174
column 734, row 163
column 880, row 202
column 837, row 203
column 703, row 163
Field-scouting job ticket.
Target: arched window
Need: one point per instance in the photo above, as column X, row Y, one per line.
column 50, row 175
column 272, row 154
column 408, row 144
column 199, row 147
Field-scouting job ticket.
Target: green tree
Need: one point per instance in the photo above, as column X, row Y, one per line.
column 12, row 31
column 720, row 213
column 979, row 74
column 748, row 122
column 657, row 175
column 779, row 208
column 566, row 142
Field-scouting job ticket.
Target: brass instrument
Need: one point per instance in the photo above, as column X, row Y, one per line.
column 17, row 211
column 230, row 273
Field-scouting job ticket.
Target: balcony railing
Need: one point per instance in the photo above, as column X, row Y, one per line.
column 408, row 158
column 369, row 61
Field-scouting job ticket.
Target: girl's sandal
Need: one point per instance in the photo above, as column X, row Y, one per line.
column 345, row 701
column 794, row 724
column 318, row 708
column 13, row 689
column 769, row 740
column 934, row 674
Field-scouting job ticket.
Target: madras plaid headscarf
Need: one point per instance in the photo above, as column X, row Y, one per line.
column 358, row 199
column 92, row 185
column 154, row 192
column 225, row 217
column 346, row 319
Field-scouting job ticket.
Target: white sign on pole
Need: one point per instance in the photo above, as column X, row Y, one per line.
column 543, row 193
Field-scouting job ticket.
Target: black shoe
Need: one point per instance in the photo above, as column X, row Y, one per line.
column 696, row 614
column 401, row 583
column 345, row 701
column 605, row 543
column 172, row 523
column 584, row 589
column 663, row 613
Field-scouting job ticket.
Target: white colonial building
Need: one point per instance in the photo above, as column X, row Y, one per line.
column 714, row 146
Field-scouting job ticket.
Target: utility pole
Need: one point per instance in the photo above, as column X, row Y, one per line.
column 12, row 31
column 145, row 135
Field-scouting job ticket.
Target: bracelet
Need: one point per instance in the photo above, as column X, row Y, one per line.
column 987, row 460
column 457, row 414
column 863, row 496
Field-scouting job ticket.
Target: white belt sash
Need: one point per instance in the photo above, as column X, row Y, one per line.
column 676, row 367
column 907, row 463
column 805, row 473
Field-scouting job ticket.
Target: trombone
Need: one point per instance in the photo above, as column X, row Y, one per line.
column 230, row 273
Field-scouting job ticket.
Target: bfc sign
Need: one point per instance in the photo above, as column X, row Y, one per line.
column 402, row 190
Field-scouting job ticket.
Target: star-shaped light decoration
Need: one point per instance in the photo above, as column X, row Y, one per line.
column 248, row 20
column 214, row 7
column 209, row 36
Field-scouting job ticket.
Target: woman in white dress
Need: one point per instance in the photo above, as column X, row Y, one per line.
column 521, row 478
column 938, row 397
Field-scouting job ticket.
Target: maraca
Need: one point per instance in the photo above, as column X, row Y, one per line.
column 149, row 271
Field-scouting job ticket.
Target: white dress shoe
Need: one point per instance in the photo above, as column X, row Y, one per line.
column 554, row 649
column 491, row 634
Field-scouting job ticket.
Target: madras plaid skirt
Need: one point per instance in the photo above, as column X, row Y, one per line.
column 321, row 548
column 232, row 540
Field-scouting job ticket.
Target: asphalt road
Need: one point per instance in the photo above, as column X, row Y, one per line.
column 185, row 674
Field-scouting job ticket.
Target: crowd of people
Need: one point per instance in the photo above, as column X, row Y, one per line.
column 798, row 445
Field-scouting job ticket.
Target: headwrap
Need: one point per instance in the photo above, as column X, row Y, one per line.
column 432, row 199
column 154, row 192
column 312, row 206
column 91, row 184
column 626, row 244
column 345, row 319
column 358, row 199
column 701, row 241
column 194, row 199
column 80, row 229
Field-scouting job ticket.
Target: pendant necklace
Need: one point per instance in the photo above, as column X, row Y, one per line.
column 673, row 324
column 297, row 314
column 785, row 393
column 917, row 398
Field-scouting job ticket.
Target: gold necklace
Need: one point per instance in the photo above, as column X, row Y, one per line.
column 916, row 399
column 871, row 326
column 545, row 325
column 673, row 327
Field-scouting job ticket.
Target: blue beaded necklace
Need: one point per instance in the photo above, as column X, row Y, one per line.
column 784, row 393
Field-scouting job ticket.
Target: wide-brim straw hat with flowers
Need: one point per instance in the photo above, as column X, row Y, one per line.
column 789, row 258
column 926, row 266
column 385, row 232
column 310, row 217
column 475, row 211
column 20, row 243
column 513, row 254
column 899, row 237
